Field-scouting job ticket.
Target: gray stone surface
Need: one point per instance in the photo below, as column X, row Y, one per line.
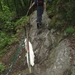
column 52, row 51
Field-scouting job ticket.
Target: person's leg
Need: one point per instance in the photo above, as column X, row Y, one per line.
column 41, row 12
column 39, row 15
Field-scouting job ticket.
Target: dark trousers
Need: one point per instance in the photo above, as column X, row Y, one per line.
column 39, row 13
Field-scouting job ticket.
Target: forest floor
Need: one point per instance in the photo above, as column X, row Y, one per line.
column 8, row 58
column 72, row 45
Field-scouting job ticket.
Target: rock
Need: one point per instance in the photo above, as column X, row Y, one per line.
column 52, row 51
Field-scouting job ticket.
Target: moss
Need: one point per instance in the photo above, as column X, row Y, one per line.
column 22, row 21
column 52, row 22
column 2, row 68
column 57, row 22
column 70, row 30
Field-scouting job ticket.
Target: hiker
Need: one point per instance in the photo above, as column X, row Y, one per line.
column 41, row 7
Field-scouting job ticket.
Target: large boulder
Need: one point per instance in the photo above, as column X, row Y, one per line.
column 51, row 49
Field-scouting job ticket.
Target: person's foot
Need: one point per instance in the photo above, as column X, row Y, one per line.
column 39, row 25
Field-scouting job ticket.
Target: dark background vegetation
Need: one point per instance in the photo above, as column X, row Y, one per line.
column 12, row 13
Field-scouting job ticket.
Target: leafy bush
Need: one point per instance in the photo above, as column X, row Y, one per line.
column 57, row 21
column 2, row 68
column 3, row 40
column 70, row 6
column 6, row 40
column 63, row 15
column 3, row 51
column 5, row 18
column 70, row 30
column 22, row 21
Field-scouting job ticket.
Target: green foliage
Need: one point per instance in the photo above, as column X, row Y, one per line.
column 5, row 18
column 26, row 19
column 59, row 24
column 63, row 15
column 2, row 68
column 5, row 40
column 23, row 21
column 52, row 23
column 70, row 30
column 70, row 12
column 57, row 21
column 3, row 51
column 7, row 15
column 50, row 10
column 52, row 7
column 10, row 11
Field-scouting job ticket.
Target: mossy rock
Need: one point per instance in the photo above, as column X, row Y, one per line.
column 26, row 19
column 70, row 30
column 56, row 21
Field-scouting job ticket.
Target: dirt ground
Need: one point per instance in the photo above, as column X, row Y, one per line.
column 72, row 51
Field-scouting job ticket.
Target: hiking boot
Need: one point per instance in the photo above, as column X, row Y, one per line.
column 39, row 25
